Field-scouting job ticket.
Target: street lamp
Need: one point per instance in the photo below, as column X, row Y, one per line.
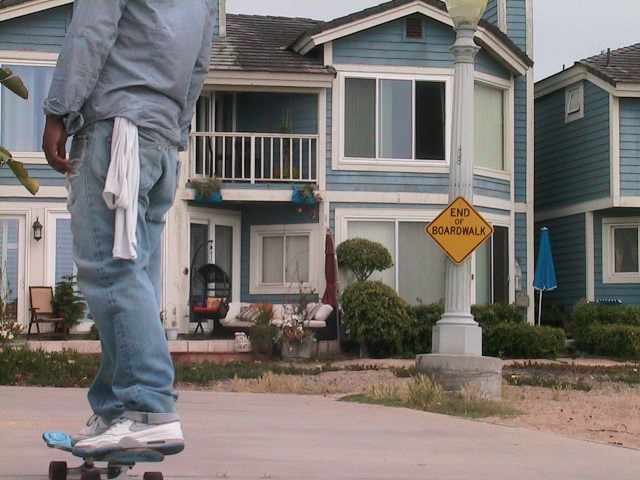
column 457, row 339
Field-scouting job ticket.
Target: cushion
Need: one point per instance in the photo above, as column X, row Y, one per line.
column 249, row 313
column 312, row 310
column 323, row 313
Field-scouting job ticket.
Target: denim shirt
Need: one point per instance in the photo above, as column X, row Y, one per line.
column 142, row 60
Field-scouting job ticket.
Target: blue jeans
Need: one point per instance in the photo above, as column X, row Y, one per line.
column 136, row 372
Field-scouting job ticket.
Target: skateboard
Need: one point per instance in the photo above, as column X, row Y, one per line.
column 117, row 467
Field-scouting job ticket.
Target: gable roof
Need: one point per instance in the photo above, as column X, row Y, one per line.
column 302, row 43
column 258, row 43
column 618, row 66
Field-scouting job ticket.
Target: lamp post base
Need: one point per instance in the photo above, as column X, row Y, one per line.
column 455, row 372
column 457, row 336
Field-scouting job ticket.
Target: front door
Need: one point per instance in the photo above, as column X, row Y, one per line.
column 214, row 237
column 12, row 266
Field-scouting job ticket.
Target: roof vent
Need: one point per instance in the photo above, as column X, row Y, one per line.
column 415, row 27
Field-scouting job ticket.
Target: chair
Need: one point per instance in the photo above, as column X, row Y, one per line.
column 41, row 299
column 210, row 295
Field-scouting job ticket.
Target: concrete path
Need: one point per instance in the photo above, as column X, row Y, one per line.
column 242, row 436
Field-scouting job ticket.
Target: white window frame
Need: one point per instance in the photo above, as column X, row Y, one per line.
column 227, row 218
column 609, row 225
column 28, row 59
column 569, row 93
column 258, row 232
column 387, row 163
column 422, row 215
column 50, row 226
column 23, row 215
column 508, row 133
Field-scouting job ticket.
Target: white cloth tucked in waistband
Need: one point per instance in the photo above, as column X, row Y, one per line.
column 122, row 186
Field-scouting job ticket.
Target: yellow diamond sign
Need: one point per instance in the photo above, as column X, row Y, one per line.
column 459, row 230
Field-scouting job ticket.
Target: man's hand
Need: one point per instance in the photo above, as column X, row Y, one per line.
column 54, row 143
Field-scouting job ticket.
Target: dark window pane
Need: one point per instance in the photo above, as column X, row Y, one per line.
column 414, row 27
column 396, row 128
column 360, row 118
column 430, row 120
column 626, row 250
column 501, row 265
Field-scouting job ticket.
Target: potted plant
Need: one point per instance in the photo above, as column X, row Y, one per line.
column 297, row 341
column 305, row 195
column 67, row 303
column 263, row 333
column 208, row 190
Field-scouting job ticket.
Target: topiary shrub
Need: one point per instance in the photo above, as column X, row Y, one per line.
column 423, row 319
column 620, row 341
column 377, row 317
column 363, row 257
column 521, row 340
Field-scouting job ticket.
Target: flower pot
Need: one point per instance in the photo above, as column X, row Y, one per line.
column 214, row 198
column 305, row 349
column 172, row 333
column 299, row 198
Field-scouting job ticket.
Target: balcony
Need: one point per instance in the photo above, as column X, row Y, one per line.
column 255, row 157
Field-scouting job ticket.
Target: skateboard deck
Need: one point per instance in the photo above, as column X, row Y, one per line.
column 118, row 463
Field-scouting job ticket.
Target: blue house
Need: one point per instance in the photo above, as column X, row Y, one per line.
column 587, row 176
column 357, row 109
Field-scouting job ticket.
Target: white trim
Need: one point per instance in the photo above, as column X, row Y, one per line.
column 21, row 213
column 578, row 73
column 485, row 37
column 21, row 192
column 228, row 218
column 34, row 6
column 19, row 57
column 614, row 130
column 246, row 195
column 592, row 205
column 310, row 230
column 502, row 16
column 321, row 161
column 30, row 158
column 222, row 18
column 629, row 201
column 590, row 254
column 609, row 225
column 269, row 79
column 530, row 198
column 328, row 54
column 350, row 68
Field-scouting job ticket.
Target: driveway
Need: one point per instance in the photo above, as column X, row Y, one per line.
column 244, row 436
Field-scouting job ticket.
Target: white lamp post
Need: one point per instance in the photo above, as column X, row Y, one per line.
column 457, row 339
column 457, row 332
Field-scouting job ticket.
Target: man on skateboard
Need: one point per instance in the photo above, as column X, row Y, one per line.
column 125, row 87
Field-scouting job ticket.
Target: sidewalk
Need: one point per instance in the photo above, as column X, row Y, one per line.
column 243, row 436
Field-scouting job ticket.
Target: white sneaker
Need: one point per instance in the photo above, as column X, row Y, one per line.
column 95, row 426
column 127, row 434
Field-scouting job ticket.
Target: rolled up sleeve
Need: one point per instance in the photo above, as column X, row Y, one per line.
column 200, row 71
column 92, row 34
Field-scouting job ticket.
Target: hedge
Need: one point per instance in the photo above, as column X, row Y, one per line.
column 591, row 313
column 521, row 340
column 620, row 341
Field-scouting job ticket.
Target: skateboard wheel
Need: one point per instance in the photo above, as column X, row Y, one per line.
column 90, row 475
column 153, row 476
column 58, row 471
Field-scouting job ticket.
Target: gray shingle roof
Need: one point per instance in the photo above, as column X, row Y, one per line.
column 258, row 43
column 621, row 66
column 11, row 3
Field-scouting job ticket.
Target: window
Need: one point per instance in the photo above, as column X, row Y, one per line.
column 395, row 120
column 489, row 127
column 414, row 28
column 574, row 103
column 9, row 263
column 22, row 122
column 283, row 258
column 621, row 245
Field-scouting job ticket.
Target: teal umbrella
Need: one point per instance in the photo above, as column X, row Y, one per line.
column 545, row 278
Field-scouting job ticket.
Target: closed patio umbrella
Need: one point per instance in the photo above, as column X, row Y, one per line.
column 330, row 296
column 545, row 278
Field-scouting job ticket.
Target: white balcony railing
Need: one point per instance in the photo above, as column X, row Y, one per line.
column 255, row 157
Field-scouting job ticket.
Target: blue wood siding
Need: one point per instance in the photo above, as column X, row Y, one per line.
column 46, row 175
column 630, row 147
column 276, row 214
column 572, row 160
column 629, row 293
column 517, row 22
column 64, row 249
column 520, row 140
column 268, row 112
column 43, row 31
column 569, row 253
column 521, row 236
column 387, row 45
column 491, row 14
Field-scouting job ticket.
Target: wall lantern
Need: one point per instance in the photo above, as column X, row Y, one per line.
column 37, row 230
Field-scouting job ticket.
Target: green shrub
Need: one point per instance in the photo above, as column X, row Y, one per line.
column 263, row 333
column 423, row 318
column 489, row 315
column 363, row 257
column 377, row 317
column 523, row 340
column 590, row 313
column 67, row 303
column 620, row 341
